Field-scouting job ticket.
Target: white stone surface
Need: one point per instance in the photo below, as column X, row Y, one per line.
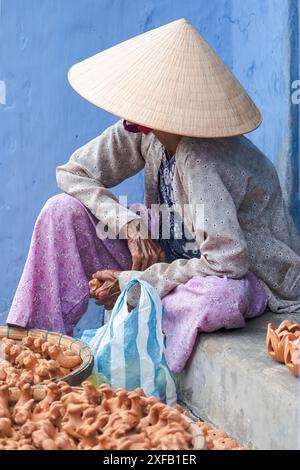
column 234, row 384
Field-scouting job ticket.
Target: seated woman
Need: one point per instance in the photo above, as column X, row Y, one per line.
column 231, row 248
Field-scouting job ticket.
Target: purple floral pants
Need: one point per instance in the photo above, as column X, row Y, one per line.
column 65, row 251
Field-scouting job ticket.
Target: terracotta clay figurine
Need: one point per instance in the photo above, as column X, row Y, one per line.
column 34, row 360
column 4, row 395
column 217, row 439
column 23, row 408
column 94, row 284
column 292, row 356
column 65, row 359
column 283, row 345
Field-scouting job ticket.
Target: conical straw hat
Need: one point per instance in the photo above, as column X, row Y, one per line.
column 168, row 79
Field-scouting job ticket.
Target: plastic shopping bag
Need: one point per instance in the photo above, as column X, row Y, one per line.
column 129, row 349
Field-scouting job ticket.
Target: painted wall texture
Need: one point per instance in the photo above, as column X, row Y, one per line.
column 42, row 120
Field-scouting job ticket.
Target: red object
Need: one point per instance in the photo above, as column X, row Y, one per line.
column 136, row 128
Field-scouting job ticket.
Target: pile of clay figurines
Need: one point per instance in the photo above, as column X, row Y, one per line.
column 283, row 344
column 86, row 418
column 34, row 360
column 217, row 439
column 90, row 419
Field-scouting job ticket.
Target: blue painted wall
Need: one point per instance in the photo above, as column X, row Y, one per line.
column 42, row 120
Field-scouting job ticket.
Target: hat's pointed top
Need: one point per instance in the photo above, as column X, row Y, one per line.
column 179, row 21
column 168, row 79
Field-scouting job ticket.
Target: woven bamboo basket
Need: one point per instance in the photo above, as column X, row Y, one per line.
column 39, row 393
column 78, row 375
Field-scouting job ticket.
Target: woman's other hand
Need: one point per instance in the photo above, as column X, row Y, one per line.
column 104, row 287
column 144, row 251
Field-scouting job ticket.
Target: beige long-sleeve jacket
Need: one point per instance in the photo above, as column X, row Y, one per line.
column 244, row 226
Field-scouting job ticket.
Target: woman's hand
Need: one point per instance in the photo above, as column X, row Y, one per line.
column 104, row 287
column 144, row 251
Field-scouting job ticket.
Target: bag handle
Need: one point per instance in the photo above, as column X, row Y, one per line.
column 146, row 289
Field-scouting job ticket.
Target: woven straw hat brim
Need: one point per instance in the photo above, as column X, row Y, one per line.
column 168, row 79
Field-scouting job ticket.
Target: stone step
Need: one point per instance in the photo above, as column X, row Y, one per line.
column 231, row 382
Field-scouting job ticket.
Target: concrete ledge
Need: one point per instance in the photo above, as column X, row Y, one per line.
column 234, row 384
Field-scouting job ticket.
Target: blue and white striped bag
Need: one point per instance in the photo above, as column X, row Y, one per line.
column 129, row 349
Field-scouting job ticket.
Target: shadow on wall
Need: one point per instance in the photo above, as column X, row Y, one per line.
column 42, row 120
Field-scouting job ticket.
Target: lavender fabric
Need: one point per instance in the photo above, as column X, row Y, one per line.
column 206, row 304
column 65, row 251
